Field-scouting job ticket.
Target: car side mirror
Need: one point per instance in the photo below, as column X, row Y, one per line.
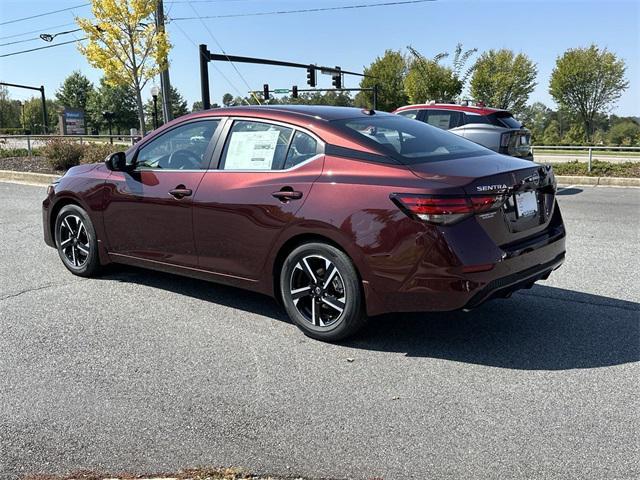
column 116, row 162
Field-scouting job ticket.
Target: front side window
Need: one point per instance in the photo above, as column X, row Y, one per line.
column 181, row 148
column 256, row 146
column 413, row 142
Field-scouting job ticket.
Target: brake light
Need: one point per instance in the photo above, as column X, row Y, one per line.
column 504, row 139
column 444, row 210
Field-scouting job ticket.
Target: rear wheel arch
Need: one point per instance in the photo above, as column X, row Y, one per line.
column 294, row 242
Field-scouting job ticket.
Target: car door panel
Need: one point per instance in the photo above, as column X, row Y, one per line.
column 148, row 211
column 238, row 214
column 237, row 217
column 144, row 220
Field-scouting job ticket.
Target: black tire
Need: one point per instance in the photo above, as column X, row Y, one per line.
column 76, row 241
column 319, row 310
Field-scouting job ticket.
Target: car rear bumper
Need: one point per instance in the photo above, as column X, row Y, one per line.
column 450, row 289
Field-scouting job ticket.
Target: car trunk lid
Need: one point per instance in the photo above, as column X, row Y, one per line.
column 528, row 191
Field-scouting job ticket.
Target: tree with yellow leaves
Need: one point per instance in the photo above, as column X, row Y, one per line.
column 124, row 43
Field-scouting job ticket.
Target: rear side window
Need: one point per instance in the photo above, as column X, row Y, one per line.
column 409, row 113
column 444, row 119
column 302, row 148
column 507, row 120
column 256, row 146
column 477, row 118
column 410, row 141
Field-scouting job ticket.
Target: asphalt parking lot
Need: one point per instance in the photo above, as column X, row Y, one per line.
column 143, row 372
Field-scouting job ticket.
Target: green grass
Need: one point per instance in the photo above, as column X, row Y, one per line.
column 598, row 169
column 596, row 153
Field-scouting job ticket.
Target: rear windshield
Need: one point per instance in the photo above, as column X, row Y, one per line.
column 506, row 119
column 412, row 141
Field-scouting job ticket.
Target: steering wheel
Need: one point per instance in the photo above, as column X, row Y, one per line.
column 184, row 160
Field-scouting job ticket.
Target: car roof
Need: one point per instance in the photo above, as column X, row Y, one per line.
column 452, row 106
column 317, row 112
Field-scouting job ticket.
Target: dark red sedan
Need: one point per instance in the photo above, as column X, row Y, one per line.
column 340, row 213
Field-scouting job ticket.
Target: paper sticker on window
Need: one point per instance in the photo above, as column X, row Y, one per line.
column 251, row 150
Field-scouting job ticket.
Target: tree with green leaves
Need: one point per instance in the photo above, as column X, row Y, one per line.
column 503, row 79
column 428, row 80
column 536, row 117
column 10, row 110
column 388, row 73
column 75, row 91
column 119, row 100
column 33, row 114
column 551, row 134
column 625, row 133
column 588, row 81
column 227, row 99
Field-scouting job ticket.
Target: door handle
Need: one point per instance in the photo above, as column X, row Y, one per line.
column 180, row 191
column 286, row 195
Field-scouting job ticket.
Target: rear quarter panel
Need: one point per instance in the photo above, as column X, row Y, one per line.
column 350, row 205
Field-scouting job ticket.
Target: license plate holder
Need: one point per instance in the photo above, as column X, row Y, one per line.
column 526, row 204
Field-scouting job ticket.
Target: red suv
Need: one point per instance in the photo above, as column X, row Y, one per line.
column 337, row 212
column 494, row 128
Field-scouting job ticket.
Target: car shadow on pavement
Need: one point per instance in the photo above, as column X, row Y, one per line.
column 569, row 191
column 202, row 290
column 545, row 328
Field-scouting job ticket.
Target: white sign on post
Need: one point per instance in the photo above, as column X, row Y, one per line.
column 251, row 150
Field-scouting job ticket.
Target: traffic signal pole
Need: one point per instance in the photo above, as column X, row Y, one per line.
column 204, row 77
column 206, row 56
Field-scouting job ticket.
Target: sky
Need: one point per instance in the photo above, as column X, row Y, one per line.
column 350, row 38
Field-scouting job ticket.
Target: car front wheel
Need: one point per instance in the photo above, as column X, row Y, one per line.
column 321, row 292
column 76, row 241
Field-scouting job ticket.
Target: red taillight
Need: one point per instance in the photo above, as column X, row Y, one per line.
column 445, row 209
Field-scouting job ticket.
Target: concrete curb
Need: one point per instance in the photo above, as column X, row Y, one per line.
column 45, row 179
column 595, row 181
column 27, row 177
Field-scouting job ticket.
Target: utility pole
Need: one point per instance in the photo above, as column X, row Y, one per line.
column 165, row 84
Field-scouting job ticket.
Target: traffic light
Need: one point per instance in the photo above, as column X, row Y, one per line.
column 294, row 91
column 311, row 75
column 265, row 90
column 336, row 78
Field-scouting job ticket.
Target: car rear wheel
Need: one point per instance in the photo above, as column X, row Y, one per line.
column 76, row 241
column 321, row 292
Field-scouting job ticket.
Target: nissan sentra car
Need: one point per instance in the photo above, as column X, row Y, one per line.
column 339, row 213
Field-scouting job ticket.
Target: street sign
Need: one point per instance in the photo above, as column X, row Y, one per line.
column 281, row 90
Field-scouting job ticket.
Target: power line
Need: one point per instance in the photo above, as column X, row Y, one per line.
column 231, row 84
column 204, row 24
column 47, row 37
column 15, row 20
column 36, row 31
column 42, row 48
column 306, row 10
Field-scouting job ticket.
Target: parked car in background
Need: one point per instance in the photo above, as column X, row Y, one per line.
column 338, row 212
column 491, row 127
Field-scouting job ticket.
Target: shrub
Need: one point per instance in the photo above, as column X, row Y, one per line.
column 97, row 152
column 62, row 154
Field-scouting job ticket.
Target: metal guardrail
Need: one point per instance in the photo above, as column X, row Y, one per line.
column 33, row 140
column 587, row 148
